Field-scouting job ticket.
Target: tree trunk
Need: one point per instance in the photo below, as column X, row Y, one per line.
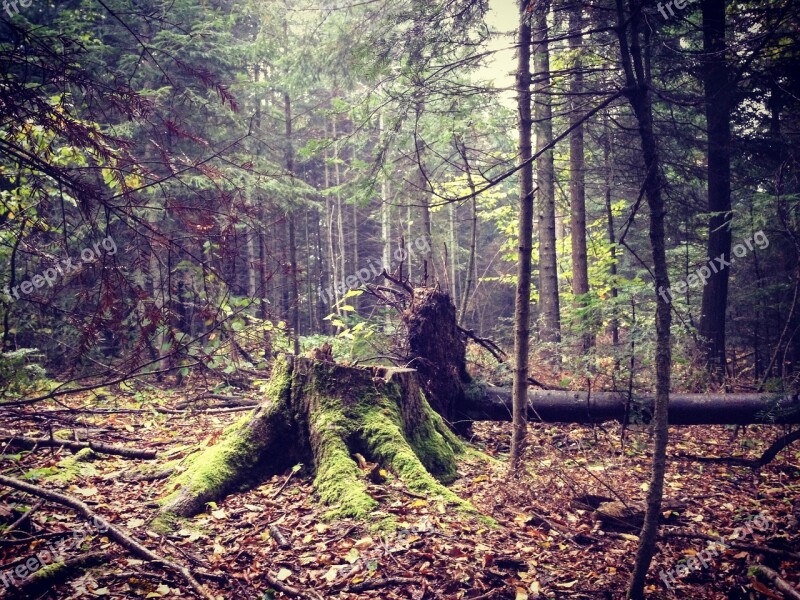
column 294, row 288
column 577, row 178
column 427, row 266
column 638, row 91
column 473, row 239
column 718, row 102
column 550, row 321
column 612, row 240
column 320, row 414
column 522, row 302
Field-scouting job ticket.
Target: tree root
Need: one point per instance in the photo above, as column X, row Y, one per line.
column 114, row 532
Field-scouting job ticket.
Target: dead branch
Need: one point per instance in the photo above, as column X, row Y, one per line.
column 28, row 514
column 39, row 581
column 374, row 584
column 770, row 576
column 114, row 532
column 769, row 454
column 31, row 442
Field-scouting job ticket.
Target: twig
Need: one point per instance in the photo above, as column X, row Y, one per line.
column 374, row 584
column 114, row 532
column 24, row 517
column 769, row 454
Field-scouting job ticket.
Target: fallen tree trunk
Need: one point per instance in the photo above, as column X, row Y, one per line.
column 436, row 347
column 321, row 414
column 494, row 404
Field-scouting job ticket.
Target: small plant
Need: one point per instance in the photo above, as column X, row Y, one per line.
column 20, row 372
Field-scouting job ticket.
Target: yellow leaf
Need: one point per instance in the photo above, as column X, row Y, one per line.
column 352, row 556
column 521, row 594
column 364, row 542
column 284, row 574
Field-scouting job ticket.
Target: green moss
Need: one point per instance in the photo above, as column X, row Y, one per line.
column 213, row 469
column 384, row 439
column 165, row 523
column 388, row 524
column 68, row 469
column 338, row 482
column 49, row 572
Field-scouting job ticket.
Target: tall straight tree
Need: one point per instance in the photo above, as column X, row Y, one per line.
column 577, row 171
column 637, row 88
column 718, row 104
column 545, row 178
column 522, row 303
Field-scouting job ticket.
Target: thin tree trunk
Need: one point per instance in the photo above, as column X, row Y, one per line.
column 427, row 263
column 609, row 183
column 638, row 85
column 473, row 241
column 522, row 302
column 294, row 299
column 339, row 220
column 550, row 331
column 718, row 102
column 577, row 174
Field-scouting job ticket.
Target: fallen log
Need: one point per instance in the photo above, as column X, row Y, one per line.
column 550, row 406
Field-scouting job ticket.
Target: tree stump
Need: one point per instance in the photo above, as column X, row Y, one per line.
column 321, row 414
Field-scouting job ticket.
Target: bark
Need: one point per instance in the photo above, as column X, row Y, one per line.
column 577, row 177
column 522, row 302
column 718, row 102
column 550, row 321
column 321, row 414
column 638, row 86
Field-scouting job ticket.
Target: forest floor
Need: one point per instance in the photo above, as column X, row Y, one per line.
column 543, row 545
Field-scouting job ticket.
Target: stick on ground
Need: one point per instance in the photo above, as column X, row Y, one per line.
column 114, row 532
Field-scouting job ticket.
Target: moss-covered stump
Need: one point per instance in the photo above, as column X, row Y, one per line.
column 321, row 414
